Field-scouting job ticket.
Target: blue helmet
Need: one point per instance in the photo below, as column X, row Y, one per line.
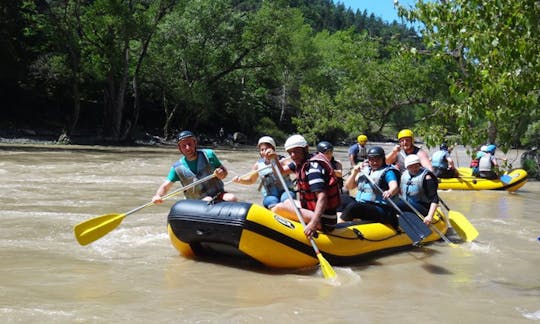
column 491, row 148
column 184, row 134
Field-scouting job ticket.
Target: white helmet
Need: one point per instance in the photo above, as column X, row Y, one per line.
column 267, row 140
column 295, row 141
column 483, row 148
column 411, row 159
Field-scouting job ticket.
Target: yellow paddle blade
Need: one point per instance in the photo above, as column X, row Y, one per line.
column 463, row 227
column 454, row 245
column 95, row 228
column 326, row 268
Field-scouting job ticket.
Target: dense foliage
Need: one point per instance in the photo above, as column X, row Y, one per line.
column 495, row 85
column 116, row 69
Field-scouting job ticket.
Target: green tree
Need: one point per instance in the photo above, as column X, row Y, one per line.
column 211, row 60
column 495, row 46
column 117, row 36
column 365, row 84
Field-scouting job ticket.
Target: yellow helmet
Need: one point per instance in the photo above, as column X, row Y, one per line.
column 361, row 139
column 405, row 133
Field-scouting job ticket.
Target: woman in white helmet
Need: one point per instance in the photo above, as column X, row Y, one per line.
column 419, row 187
column 271, row 188
column 317, row 188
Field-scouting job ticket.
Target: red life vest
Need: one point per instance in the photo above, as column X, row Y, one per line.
column 308, row 199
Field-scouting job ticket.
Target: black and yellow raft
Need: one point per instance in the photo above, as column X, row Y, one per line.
column 510, row 181
column 250, row 231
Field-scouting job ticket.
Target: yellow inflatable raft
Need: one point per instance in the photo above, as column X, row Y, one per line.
column 510, row 181
column 250, row 231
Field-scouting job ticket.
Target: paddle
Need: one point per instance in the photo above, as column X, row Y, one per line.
column 326, row 268
column 506, row 179
column 415, row 229
column 95, row 228
column 461, row 224
column 441, row 234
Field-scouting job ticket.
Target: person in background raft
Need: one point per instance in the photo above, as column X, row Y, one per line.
column 317, row 188
column 488, row 166
column 405, row 147
column 327, row 149
column 371, row 204
column 443, row 165
column 358, row 151
column 196, row 164
column 271, row 187
column 419, row 187
column 476, row 161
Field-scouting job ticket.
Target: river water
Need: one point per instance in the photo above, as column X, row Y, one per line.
column 133, row 274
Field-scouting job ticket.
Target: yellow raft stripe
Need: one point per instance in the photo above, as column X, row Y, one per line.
column 468, row 182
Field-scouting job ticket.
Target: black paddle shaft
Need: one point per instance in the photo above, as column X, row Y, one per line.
column 413, row 226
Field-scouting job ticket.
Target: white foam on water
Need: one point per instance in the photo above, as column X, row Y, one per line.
column 529, row 315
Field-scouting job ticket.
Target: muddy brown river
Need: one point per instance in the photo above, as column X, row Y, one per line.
column 133, row 274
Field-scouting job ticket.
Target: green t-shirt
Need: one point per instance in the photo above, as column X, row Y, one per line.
column 212, row 158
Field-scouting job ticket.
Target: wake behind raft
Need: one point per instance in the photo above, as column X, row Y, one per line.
column 247, row 230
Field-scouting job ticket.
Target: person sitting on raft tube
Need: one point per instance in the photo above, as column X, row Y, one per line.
column 271, row 188
column 371, row 204
column 318, row 188
column 488, row 166
column 443, row 165
column 419, row 186
column 194, row 165
column 405, row 147
column 476, row 161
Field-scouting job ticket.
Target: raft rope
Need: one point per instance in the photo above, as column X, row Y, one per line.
column 359, row 236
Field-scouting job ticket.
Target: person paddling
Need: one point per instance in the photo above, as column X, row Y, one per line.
column 196, row 164
column 271, row 188
column 317, row 188
column 419, row 188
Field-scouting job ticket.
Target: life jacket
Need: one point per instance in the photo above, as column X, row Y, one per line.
column 269, row 181
column 308, row 199
column 210, row 188
column 474, row 163
column 413, row 187
column 400, row 161
column 485, row 163
column 438, row 160
column 362, row 153
column 366, row 192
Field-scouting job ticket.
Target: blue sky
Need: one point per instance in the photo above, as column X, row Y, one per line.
column 381, row 8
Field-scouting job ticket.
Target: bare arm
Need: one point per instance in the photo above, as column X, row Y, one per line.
column 392, row 156
column 221, row 172
column 424, row 160
column 450, row 163
column 350, row 183
column 393, row 189
column 250, row 179
column 351, row 160
column 315, row 219
column 339, row 169
column 162, row 191
column 432, row 208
